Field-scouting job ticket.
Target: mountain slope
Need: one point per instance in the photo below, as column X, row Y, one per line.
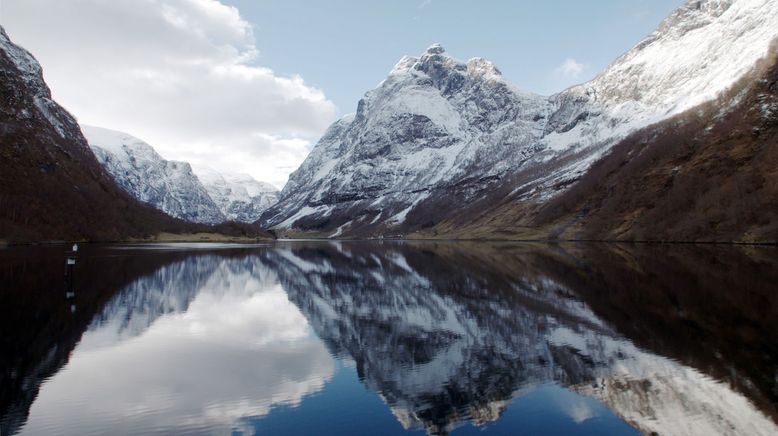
column 239, row 196
column 439, row 134
column 51, row 185
column 136, row 167
column 708, row 174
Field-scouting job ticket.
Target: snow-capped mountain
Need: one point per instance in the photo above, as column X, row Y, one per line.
column 438, row 131
column 435, row 123
column 169, row 186
column 240, row 197
column 202, row 195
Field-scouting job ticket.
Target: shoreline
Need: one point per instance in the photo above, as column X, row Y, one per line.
column 215, row 239
column 160, row 238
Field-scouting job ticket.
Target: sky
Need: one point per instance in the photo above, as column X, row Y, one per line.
column 250, row 85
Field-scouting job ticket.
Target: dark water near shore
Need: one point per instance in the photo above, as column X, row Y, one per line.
column 390, row 338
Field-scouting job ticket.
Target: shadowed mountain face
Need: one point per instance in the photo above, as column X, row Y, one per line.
column 449, row 336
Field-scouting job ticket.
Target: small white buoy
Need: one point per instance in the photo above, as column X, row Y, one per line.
column 75, row 248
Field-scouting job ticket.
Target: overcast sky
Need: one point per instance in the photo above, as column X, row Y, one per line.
column 250, row 85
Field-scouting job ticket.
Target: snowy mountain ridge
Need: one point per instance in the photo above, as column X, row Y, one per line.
column 169, row 186
column 239, row 196
column 32, row 75
column 204, row 196
column 438, row 126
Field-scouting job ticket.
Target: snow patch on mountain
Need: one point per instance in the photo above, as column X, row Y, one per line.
column 25, row 63
column 698, row 52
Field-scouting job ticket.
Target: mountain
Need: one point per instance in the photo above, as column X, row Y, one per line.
column 51, row 185
column 707, row 174
column 201, row 196
column 434, row 125
column 441, row 135
column 239, row 196
column 169, row 186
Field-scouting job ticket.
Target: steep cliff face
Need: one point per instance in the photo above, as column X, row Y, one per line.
column 438, row 133
column 137, row 168
column 51, row 185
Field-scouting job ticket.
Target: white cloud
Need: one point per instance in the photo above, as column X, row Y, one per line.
column 424, row 4
column 571, row 68
column 181, row 74
column 581, row 411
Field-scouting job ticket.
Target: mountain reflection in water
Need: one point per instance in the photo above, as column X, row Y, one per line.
column 450, row 336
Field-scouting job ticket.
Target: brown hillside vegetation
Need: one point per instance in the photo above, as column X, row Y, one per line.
column 51, row 185
column 707, row 175
column 710, row 174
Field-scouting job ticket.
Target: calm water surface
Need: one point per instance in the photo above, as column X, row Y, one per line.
column 374, row 338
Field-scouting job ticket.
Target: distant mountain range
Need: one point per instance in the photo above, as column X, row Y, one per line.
column 202, row 196
column 239, row 197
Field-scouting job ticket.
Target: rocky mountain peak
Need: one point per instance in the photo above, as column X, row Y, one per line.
column 240, row 197
column 26, row 64
column 435, row 49
column 694, row 14
column 404, row 65
column 435, row 63
column 481, row 67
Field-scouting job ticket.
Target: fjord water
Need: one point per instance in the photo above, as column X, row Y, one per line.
column 390, row 338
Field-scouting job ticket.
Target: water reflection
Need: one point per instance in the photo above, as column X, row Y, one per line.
column 451, row 337
column 208, row 339
column 450, row 333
